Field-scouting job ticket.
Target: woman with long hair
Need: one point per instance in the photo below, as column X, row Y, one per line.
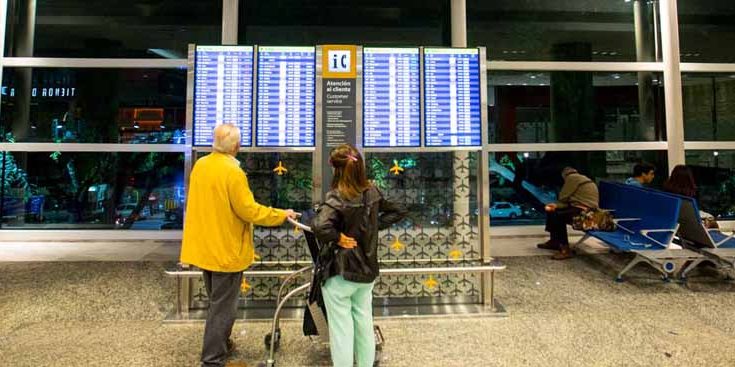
column 681, row 182
column 348, row 223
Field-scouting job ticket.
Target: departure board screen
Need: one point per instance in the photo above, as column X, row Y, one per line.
column 223, row 91
column 391, row 97
column 286, row 92
column 452, row 97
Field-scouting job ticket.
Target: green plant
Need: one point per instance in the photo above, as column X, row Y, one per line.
column 14, row 176
column 378, row 171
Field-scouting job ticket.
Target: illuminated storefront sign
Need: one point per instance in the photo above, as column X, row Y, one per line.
column 42, row 92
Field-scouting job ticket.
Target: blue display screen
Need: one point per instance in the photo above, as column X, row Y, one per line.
column 452, row 97
column 391, row 97
column 223, row 91
column 286, row 92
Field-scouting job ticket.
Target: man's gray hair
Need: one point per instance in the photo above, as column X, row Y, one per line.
column 568, row 171
column 226, row 138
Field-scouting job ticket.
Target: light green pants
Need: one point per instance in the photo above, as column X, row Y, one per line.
column 350, row 317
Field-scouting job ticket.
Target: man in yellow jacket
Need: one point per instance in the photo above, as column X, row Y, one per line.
column 218, row 235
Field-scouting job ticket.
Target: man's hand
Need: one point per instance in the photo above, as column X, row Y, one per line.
column 550, row 208
column 346, row 242
column 291, row 214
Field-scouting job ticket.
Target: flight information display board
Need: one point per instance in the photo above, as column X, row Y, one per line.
column 391, row 97
column 452, row 97
column 223, row 91
column 286, row 93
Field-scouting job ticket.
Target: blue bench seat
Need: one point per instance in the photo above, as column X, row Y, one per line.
column 648, row 221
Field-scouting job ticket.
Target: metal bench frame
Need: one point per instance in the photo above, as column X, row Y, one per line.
column 665, row 261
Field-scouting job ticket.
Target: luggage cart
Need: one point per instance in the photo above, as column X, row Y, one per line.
column 273, row 339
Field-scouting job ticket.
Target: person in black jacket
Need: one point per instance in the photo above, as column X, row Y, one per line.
column 348, row 223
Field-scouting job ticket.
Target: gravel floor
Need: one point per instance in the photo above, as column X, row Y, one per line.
column 560, row 314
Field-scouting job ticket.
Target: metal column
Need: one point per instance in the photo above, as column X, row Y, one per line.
column 459, row 39
column 189, row 123
column 230, row 19
column 22, row 45
column 644, row 49
column 3, row 17
column 459, row 23
column 483, row 182
column 672, row 82
column 317, row 179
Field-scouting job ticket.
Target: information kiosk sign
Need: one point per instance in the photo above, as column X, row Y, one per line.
column 339, row 95
column 338, row 108
column 223, row 91
column 391, row 98
column 452, row 106
column 285, row 99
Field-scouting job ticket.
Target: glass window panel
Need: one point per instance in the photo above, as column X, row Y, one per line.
column 709, row 106
column 528, row 180
column 111, row 28
column 426, row 184
column 714, row 174
column 573, row 30
column 568, row 106
column 368, row 23
column 704, row 27
column 289, row 190
column 440, row 192
column 93, row 105
column 93, row 191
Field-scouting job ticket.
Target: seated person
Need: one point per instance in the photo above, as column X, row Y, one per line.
column 681, row 182
column 579, row 193
column 643, row 174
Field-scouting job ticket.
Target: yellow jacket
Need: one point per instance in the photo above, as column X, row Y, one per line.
column 220, row 214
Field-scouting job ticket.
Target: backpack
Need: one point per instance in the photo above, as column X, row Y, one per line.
column 594, row 220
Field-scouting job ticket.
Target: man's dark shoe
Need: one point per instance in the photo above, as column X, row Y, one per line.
column 564, row 254
column 549, row 245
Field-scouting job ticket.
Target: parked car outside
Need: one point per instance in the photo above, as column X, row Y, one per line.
column 505, row 210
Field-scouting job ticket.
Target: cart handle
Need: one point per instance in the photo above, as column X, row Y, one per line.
column 299, row 225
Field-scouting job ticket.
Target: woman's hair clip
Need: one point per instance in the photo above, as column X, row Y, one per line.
column 352, row 157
